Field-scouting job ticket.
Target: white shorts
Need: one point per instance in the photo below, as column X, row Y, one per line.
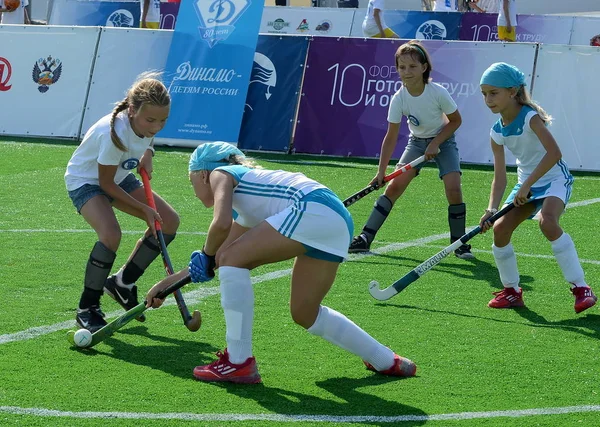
column 560, row 188
column 315, row 225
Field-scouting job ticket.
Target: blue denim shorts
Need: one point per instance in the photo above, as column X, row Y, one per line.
column 447, row 160
column 81, row 195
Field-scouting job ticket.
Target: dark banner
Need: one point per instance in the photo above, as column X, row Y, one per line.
column 273, row 93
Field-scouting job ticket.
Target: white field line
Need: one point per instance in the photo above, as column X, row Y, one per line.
column 203, row 233
column 521, row 254
column 374, row 166
column 197, row 295
column 278, row 418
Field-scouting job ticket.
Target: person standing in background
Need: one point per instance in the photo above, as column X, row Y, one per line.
column 150, row 14
column 507, row 20
column 374, row 24
column 18, row 16
column 484, row 6
column 445, row 6
column 595, row 41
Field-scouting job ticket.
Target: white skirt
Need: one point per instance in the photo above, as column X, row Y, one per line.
column 315, row 225
column 560, row 188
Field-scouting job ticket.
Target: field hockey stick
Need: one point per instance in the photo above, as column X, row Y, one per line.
column 399, row 285
column 362, row 193
column 192, row 322
column 109, row 329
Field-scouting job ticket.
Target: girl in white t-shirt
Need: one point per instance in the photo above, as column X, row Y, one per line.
column 99, row 178
column 433, row 118
column 542, row 176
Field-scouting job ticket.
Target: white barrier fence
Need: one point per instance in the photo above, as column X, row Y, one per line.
column 122, row 55
column 83, row 71
column 44, row 78
column 568, row 87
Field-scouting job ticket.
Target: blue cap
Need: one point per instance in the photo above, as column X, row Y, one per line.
column 211, row 155
column 503, row 75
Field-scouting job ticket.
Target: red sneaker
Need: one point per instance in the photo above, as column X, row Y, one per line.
column 584, row 298
column 507, row 298
column 223, row 370
column 402, row 367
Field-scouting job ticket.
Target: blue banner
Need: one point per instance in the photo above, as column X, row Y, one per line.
column 424, row 25
column 208, row 68
column 95, row 13
column 273, row 93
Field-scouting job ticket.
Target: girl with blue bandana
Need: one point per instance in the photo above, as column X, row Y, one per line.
column 543, row 176
column 266, row 216
column 432, row 117
column 99, row 178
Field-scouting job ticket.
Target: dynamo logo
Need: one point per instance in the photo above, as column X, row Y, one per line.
column 217, row 18
column 431, row 30
column 120, row 18
column 263, row 72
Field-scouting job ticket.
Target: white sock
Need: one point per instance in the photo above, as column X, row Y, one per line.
column 506, row 261
column 568, row 261
column 237, row 300
column 119, row 277
column 343, row 332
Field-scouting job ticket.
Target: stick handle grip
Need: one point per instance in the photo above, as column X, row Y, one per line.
column 149, row 195
column 174, row 287
column 375, row 186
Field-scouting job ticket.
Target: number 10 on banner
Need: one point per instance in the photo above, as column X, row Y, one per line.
column 354, row 85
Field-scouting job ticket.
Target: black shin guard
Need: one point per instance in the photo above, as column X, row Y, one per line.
column 457, row 218
column 379, row 214
column 97, row 270
column 143, row 257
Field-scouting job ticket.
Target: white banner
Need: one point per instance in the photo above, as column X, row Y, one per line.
column 122, row 56
column 565, row 77
column 584, row 28
column 462, row 73
column 44, row 77
column 308, row 21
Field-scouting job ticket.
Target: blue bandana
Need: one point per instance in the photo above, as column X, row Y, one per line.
column 503, row 75
column 211, row 155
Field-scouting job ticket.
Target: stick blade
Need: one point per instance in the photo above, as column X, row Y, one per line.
column 194, row 323
column 381, row 294
column 108, row 330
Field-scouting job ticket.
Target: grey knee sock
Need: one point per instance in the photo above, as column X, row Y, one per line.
column 97, row 270
column 380, row 212
column 146, row 253
column 457, row 218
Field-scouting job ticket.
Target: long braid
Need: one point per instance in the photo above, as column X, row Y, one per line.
column 121, row 106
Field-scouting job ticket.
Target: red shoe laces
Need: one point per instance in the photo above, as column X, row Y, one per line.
column 222, row 358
